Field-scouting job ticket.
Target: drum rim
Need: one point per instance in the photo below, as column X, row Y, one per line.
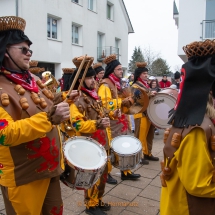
column 90, row 140
column 124, row 135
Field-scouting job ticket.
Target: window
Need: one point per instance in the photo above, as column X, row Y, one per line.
column 76, row 33
column 117, row 44
column 101, row 45
column 76, row 1
column 52, row 27
column 92, row 5
column 109, row 11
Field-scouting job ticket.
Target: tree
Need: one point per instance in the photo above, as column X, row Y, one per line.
column 160, row 67
column 136, row 57
column 150, row 56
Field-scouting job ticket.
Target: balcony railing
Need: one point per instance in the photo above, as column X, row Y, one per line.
column 208, row 29
column 103, row 52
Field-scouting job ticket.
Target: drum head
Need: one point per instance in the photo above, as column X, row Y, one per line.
column 158, row 109
column 126, row 144
column 84, row 153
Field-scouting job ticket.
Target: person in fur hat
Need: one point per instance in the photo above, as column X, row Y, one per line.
column 88, row 120
column 109, row 89
column 144, row 129
column 31, row 148
column 188, row 169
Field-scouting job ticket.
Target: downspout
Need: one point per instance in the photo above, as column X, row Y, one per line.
column 17, row 7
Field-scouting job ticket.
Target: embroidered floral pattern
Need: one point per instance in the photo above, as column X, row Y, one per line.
column 1, row 166
column 77, row 123
column 124, row 123
column 48, row 150
column 55, row 209
column 2, row 140
column 3, row 123
column 99, row 136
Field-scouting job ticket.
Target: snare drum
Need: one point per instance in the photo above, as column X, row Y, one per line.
column 160, row 105
column 126, row 152
column 85, row 162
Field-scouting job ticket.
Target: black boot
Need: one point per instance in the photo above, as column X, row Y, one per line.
column 111, row 180
column 151, row 158
column 129, row 176
column 104, row 206
column 94, row 211
column 144, row 162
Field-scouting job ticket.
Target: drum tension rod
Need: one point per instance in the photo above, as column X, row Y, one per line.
column 64, row 133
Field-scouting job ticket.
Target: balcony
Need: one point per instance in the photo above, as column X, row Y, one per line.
column 208, row 29
column 103, row 52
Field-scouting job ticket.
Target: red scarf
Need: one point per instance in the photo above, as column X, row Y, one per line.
column 19, row 78
column 115, row 81
column 143, row 82
column 91, row 93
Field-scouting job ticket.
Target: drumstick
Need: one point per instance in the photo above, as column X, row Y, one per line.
column 117, row 104
column 106, row 103
column 76, row 78
column 84, row 75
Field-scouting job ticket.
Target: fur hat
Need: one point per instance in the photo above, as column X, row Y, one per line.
column 141, row 67
column 112, row 63
column 68, row 70
column 98, row 67
column 90, row 71
column 33, row 67
column 11, row 32
column 197, row 80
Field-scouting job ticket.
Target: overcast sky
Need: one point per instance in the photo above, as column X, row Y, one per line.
column 154, row 26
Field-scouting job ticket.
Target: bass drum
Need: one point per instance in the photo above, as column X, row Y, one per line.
column 160, row 105
column 85, row 162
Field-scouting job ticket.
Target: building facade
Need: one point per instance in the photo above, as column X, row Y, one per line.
column 63, row 29
column 195, row 20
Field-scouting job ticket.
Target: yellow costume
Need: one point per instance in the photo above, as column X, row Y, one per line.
column 190, row 189
column 85, row 114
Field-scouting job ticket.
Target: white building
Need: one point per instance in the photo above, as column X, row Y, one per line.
column 63, row 29
column 195, row 20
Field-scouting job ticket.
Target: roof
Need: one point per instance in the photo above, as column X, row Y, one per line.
column 125, row 12
column 175, row 9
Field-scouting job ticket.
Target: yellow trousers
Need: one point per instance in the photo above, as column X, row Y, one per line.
column 144, row 131
column 94, row 194
column 41, row 197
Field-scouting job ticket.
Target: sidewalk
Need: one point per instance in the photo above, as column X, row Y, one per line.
column 143, row 195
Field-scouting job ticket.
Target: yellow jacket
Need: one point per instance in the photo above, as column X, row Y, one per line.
column 192, row 173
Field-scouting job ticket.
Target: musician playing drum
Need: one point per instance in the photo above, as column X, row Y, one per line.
column 144, row 130
column 87, row 117
column 108, row 91
column 31, row 150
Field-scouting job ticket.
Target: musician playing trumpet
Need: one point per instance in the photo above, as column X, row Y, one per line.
column 88, row 118
column 108, row 91
column 144, row 129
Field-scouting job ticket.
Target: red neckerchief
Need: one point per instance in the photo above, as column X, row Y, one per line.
column 19, row 78
column 115, row 81
column 143, row 82
column 91, row 93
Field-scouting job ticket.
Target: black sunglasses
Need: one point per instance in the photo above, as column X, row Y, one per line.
column 24, row 49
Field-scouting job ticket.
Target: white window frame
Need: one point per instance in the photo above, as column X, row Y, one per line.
column 102, row 45
column 79, row 28
column 57, row 20
column 118, row 42
column 93, row 2
column 111, row 5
